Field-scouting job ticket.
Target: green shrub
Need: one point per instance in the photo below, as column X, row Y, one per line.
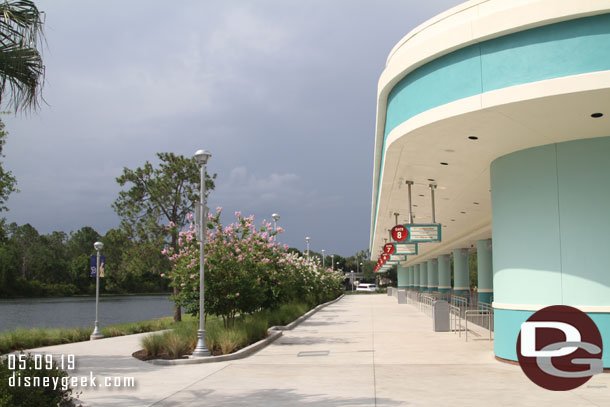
column 153, row 344
column 177, row 344
column 15, row 393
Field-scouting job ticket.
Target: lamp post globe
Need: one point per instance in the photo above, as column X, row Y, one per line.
column 202, row 156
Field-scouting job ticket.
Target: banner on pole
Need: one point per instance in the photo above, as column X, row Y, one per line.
column 93, row 266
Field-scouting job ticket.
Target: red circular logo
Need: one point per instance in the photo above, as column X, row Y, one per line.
column 399, row 233
column 560, row 348
column 389, row 248
column 385, row 257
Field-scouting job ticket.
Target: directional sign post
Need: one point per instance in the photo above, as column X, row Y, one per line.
column 405, row 248
column 424, row 233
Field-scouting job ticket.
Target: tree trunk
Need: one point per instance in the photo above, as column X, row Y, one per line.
column 177, row 312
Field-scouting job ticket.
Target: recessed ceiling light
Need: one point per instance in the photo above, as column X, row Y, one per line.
column 596, row 115
column 430, row 179
column 444, row 163
column 473, row 137
column 452, row 220
column 462, row 212
column 415, row 205
column 476, row 203
column 449, row 150
column 421, row 195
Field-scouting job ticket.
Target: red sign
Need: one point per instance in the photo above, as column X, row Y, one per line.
column 389, row 248
column 385, row 257
column 399, row 233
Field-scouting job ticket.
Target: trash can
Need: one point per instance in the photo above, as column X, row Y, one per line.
column 440, row 316
column 402, row 296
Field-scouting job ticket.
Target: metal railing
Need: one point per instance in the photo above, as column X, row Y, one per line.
column 455, row 320
column 463, row 310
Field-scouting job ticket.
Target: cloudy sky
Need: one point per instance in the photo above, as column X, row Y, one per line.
column 282, row 92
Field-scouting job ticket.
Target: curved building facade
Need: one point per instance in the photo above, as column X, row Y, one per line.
column 504, row 108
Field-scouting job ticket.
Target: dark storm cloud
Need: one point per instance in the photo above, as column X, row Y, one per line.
column 283, row 93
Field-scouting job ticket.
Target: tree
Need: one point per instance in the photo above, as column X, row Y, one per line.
column 21, row 66
column 160, row 196
column 7, row 181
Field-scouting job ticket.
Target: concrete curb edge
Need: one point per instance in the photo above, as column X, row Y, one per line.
column 273, row 333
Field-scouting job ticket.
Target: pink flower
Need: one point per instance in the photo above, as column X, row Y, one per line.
column 192, row 276
column 162, row 274
column 238, row 214
column 171, row 224
column 181, row 284
column 280, row 229
column 189, row 216
column 218, row 209
column 237, row 294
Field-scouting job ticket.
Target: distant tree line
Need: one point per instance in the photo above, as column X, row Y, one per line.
column 58, row 264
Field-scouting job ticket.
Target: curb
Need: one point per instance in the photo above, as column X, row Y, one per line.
column 273, row 333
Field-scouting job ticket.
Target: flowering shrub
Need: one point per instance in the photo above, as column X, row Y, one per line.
column 245, row 270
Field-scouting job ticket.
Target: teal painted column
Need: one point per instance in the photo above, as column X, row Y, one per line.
column 484, row 271
column 550, row 235
column 423, row 277
column 444, row 273
column 402, row 276
column 416, row 277
column 432, row 275
column 410, row 274
column 461, row 284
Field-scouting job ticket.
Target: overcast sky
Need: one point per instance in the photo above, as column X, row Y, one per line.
column 283, row 93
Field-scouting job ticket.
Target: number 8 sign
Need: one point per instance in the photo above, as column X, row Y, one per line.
column 399, row 233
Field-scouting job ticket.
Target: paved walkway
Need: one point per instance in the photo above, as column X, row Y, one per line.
column 365, row 350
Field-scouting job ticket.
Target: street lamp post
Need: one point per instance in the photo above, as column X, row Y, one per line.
column 323, row 251
column 97, row 334
column 332, row 259
column 275, row 217
column 308, row 239
column 352, row 279
column 202, row 157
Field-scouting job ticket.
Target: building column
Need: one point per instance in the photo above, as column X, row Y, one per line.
column 550, row 235
column 484, row 271
column 423, row 277
column 416, row 277
column 461, row 283
column 432, row 275
column 402, row 276
column 410, row 275
column 444, row 273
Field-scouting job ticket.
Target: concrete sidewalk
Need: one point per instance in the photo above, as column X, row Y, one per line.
column 365, row 350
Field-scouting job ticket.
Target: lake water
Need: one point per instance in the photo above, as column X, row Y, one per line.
column 80, row 311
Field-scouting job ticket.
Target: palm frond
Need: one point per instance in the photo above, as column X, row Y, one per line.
column 21, row 66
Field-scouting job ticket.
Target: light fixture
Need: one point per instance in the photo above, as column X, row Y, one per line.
column 596, row 115
column 202, row 156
